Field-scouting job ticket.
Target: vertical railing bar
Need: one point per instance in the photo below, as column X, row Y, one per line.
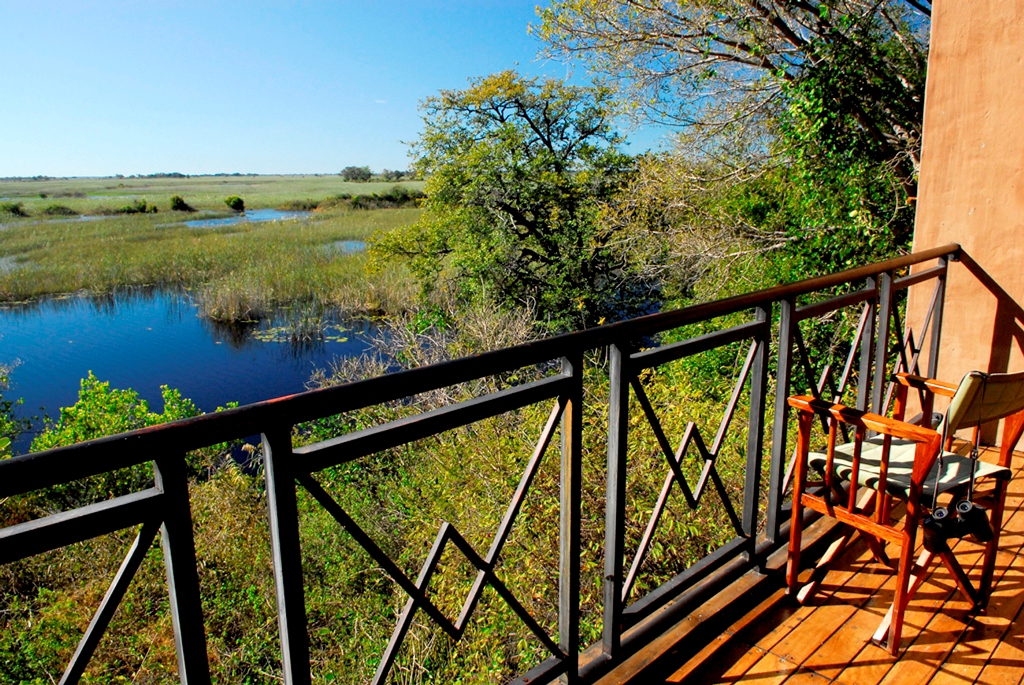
column 936, row 333
column 287, row 552
column 179, row 548
column 570, row 519
column 867, row 352
column 615, row 501
column 755, row 428
column 783, row 373
column 882, row 340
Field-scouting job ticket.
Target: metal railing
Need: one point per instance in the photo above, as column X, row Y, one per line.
column 628, row 624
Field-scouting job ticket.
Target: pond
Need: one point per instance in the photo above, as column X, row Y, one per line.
column 145, row 340
column 251, row 215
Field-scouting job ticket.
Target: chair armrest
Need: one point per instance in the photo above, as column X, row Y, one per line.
column 866, row 420
column 929, row 384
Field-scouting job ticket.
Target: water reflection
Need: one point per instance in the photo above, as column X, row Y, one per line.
column 147, row 338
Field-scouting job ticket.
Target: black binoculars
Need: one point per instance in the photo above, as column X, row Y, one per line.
column 966, row 519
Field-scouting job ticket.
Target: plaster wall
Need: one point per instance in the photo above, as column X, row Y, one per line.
column 971, row 188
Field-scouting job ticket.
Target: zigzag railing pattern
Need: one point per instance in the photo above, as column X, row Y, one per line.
column 691, row 436
column 486, row 575
column 627, row 626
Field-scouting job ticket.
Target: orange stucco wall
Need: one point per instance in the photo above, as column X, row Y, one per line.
column 971, row 187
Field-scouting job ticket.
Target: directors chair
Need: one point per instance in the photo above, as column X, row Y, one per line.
column 859, row 480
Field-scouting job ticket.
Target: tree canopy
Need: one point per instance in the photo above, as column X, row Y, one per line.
column 518, row 171
column 816, row 105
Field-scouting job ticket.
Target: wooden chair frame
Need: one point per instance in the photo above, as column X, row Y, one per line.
column 868, row 511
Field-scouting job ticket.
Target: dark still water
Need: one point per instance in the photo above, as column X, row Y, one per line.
column 143, row 341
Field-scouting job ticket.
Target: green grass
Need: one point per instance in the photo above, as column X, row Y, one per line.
column 236, row 272
column 94, row 195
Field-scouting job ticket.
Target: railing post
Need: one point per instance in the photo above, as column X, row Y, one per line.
column 284, row 538
column 940, row 299
column 867, row 347
column 783, row 371
column 615, row 499
column 882, row 343
column 179, row 547
column 571, row 488
column 755, row 428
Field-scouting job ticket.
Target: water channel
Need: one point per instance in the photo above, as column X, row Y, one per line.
column 143, row 340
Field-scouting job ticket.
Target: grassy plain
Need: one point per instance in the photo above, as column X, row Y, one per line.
column 92, row 195
column 237, row 272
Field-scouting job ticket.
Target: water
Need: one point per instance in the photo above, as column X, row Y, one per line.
column 145, row 340
column 345, row 247
column 251, row 215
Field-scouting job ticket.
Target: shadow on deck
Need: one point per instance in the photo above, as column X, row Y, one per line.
column 753, row 633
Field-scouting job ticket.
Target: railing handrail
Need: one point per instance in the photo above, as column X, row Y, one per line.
column 64, row 464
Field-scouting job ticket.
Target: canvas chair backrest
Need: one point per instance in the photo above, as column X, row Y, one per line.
column 983, row 397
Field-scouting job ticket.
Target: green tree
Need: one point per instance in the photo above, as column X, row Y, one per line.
column 356, row 173
column 814, row 107
column 518, row 171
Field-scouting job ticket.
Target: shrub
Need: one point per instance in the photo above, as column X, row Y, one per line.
column 10, row 425
column 13, row 208
column 236, row 203
column 178, row 204
column 398, row 196
column 59, row 210
column 307, row 205
column 356, row 173
column 137, row 207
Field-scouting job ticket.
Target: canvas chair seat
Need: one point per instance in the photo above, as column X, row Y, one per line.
column 956, row 469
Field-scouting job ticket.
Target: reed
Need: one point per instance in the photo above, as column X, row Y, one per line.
column 236, row 272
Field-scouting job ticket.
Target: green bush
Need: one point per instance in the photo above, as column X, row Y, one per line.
column 398, row 196
column 13, row 208
column 137, row 207
column 178, row 204
column 356, row 173
column 236, row 203
column 59, row 210
column 10, row 425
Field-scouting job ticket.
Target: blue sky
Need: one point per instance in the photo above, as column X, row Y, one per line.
column 101, row 88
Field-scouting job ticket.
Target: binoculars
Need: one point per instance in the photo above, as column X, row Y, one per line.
column 966, row 519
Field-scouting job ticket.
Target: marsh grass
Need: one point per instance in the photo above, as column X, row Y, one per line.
column 237, row 273
column 96, row 195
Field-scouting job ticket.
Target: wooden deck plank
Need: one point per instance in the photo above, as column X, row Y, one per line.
column 842, row 645
column 730, row 644
column 828, row 641
column 1006, row 665
column 934, row 644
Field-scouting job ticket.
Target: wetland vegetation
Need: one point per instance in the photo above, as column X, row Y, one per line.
column 535, row 221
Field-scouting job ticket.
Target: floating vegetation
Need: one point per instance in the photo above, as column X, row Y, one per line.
column 293, row 333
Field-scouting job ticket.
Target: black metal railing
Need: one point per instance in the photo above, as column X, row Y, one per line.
column 757, row 520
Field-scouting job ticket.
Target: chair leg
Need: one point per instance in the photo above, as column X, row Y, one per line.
column 795, row 534
column 902, row 596
column 919, row 573
column 877, row 550
column 992, row 547
column 960, row 576
column 796, row 524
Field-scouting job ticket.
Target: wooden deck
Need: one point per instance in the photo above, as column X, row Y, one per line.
column 828, row 641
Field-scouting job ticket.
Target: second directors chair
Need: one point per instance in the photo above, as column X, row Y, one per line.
column 858, row 481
